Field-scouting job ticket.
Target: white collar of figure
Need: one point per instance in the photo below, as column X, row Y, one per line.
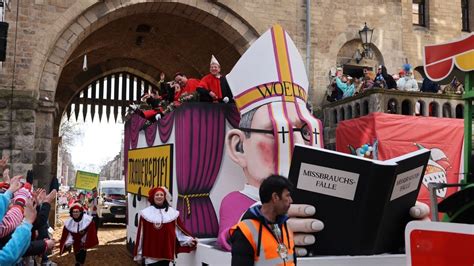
column 155, row 215
column 71, row 225
column 251, row 192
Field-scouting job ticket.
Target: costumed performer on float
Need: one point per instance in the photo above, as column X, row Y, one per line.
column 270, row 89
column 79, row 232
column 212, row 81
column 161, row 234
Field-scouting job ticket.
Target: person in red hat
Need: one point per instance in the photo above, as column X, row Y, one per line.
column 79, row 232
column 161, row 234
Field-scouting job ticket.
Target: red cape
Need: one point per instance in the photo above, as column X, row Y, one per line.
column 164, row 248
column 91, row 239
column 211, row 83
column 191, row 86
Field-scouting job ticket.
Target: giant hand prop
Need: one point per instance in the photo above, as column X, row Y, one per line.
column 303, row 227
column 420, row 211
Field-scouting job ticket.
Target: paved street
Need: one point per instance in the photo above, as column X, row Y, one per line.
column 111, row 249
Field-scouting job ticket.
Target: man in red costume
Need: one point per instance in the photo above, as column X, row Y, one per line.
column 211, row 81
column 187, row 85
column 161, row 234
column 79, row 232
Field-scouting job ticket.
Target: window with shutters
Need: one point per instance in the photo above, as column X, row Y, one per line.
column 419, row 16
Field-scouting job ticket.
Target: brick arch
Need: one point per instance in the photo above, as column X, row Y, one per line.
column 349, row 37
column 89, row 16
column 339, row 42
column 348, row 49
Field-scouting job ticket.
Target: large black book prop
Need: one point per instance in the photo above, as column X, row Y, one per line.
column 363, row 203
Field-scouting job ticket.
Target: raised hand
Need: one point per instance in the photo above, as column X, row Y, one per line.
column 15, row 184
column 51, row 196
column 40, row 195
column 303, row 226
column 6, row 175
column 30, row 211
column 4, row 162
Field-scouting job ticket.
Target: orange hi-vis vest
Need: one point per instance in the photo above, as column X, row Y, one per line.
column 269, row 245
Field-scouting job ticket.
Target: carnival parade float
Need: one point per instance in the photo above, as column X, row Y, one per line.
column 201, row 152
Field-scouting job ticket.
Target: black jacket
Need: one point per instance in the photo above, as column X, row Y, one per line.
column 242, row 251
column 429, row 86
column 391, row 84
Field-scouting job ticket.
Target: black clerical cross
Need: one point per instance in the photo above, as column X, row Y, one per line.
column 316, row 133
column 283, row 132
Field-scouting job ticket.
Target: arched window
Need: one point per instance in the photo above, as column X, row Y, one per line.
column 392, row 106
column 357, row 110
column 406, row 108
column 341, row 114
column 434, row 109
column 420, row 108
column 334, row 117
column 447, row 110
column 365, row 110
column 459, row 111
column 349, row 112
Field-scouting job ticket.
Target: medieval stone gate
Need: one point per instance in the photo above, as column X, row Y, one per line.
column 132, row 39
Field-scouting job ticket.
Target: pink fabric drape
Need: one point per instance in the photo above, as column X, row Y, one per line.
column 199, row 141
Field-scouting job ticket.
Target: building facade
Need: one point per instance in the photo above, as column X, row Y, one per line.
column 48, row 39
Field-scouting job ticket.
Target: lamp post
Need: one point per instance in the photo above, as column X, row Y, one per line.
column 366, row 37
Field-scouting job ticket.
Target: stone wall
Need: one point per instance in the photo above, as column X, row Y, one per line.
column 26, row 133
column 333, row 24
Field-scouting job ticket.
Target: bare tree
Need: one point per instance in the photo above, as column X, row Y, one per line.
column 69, row 133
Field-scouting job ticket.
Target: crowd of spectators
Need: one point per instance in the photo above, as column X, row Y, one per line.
column 24, row 230
column 342, row 86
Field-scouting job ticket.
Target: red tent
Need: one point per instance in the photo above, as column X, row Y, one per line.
column 394, row 135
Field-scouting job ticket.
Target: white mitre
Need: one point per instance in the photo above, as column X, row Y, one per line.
column 271, row 70
column 214, row 60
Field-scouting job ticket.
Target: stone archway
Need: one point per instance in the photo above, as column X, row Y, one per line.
column 146, row 37
column 96, row 16
column 347, row 58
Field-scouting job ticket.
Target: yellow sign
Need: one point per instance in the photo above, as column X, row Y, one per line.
column 86, row 180
column 150, row 167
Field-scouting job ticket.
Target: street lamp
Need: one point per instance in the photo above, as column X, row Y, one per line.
column 366, row 37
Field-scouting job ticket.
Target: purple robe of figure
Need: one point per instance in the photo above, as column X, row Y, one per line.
column 233, row 206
